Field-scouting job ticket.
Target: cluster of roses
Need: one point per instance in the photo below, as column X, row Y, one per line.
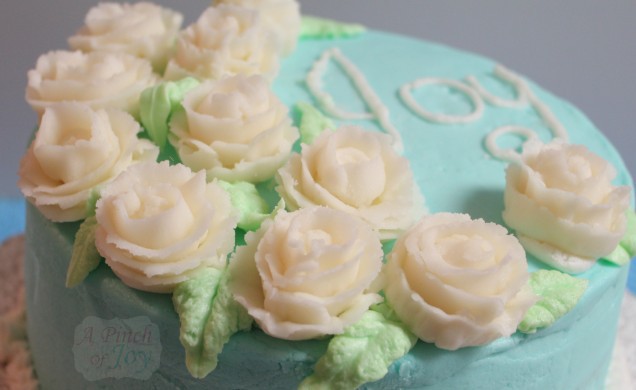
column 306, row 273
column 159, row 224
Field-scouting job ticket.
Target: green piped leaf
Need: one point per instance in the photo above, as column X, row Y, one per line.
column 209, row 316
column 85, row 256
column 320, row 28
column 251, row 207
column 619, row 256
column 312, row 122
column 629, row 239
column 626, row 248
column 558, row 292
column 91, row 202
column 363, row 352
column 157, row 104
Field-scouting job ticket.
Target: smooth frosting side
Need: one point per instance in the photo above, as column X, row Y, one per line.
column 556, row 357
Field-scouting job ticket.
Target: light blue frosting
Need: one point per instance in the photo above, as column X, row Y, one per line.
column 573, row 353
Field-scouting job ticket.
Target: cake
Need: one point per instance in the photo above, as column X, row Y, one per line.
column 416, row 149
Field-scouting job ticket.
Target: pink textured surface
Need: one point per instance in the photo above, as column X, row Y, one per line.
column 11, row 274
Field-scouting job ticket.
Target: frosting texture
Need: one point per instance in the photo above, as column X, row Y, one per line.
column 226, row 40
column 356, row 171
column 235, row 129
column 281, row 16
column 76, row 150
column 561, row 201
column 315, row 272
column 143, row 29
column 458, row 282
column 160, row 224
column 99, row 79
column 307, row 273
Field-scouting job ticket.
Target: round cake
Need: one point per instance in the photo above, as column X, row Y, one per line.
column 455, row 121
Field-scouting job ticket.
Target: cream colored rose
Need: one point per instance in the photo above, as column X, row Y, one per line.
column 356, row 171
column 235, row 129
column 226, row 40
column 282, row 16
column 307, row 273
column 160, row 224
column 563, row 206
column 75, row 151
column 142, row 29
column 98, row 79
column 458, row 282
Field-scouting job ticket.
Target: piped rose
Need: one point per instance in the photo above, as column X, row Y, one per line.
column 142, row 29
column 281, row 16
column 235, row 129
column 160, row 224
column 356, row 171
column 226, row 40
column 98, row 79
column 75, row 151
column 458, row 282
column 560, row 200
column 307, row 273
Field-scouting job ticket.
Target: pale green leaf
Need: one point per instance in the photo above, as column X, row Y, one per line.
column 227, row 317
column 363, row 352
column 558, row 294
column 209, row 317
column 629, row 239
column 251, row 207
column 157, row 103
column 85, row 256
column 312, row 122
column 320, row 28
column 619, row 256
column 626, row 248
column 91, row 202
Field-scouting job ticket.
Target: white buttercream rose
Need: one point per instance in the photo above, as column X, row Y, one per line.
column 307, row 273
column 225, row 41
column 560, row 200
column 98, row 79
column 458, row 282
column 160, row 224
column 142, row 29
column 75, row 151
column 282, row 16
column 356, row 171
column 235, row 129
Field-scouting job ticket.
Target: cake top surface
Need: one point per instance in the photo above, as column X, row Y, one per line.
column 405, row 131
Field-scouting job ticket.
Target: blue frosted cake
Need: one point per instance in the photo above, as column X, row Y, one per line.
column 264, row 200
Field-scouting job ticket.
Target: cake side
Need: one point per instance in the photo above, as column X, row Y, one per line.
column 552, row 358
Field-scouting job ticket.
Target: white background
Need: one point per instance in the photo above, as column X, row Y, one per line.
column 581, row 50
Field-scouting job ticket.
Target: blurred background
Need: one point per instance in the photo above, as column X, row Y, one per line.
column 581, row 50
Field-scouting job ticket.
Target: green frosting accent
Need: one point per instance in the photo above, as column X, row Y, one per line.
column 251, row 207
column 619, row 256
column 363, row 352
column 157, row 104
column 626, row 248
column 558, row 292
column 209, row 317
column 85, row 256
column 629, row 239
column 91, row 202
column 317, row 28
column 312, row 122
